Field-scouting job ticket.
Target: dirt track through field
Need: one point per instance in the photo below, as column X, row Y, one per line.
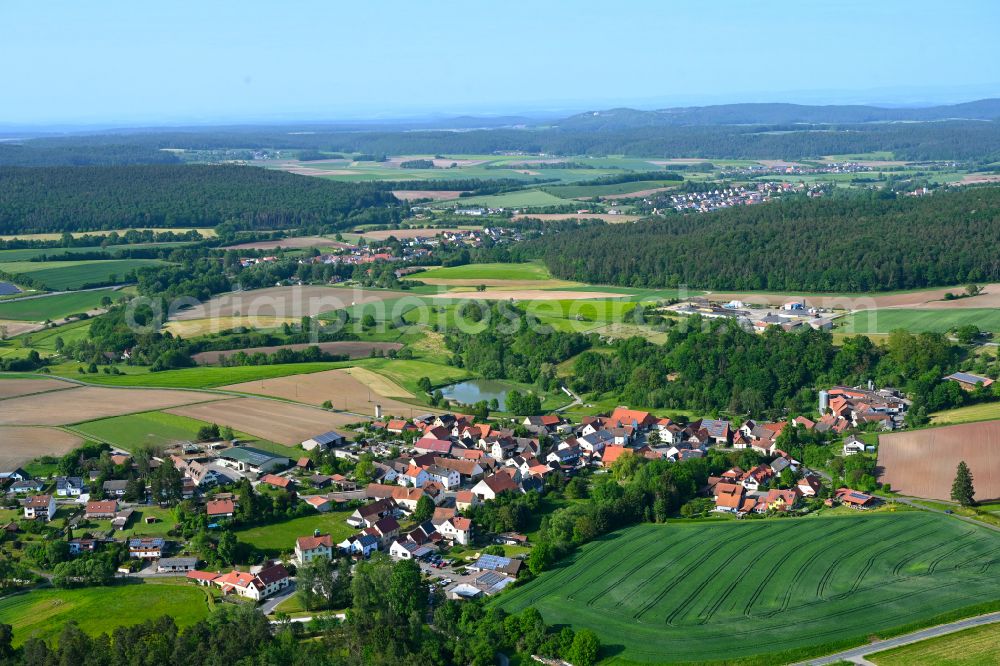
column 91, row 402
column 922, row 463
column 281, row 422
column 18, row 446
column 13, row 388
column 358, row 393
column 352, row 349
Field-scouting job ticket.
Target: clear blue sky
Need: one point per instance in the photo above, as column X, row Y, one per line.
column 220, row 60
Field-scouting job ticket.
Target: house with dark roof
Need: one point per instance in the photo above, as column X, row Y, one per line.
column 494, row 485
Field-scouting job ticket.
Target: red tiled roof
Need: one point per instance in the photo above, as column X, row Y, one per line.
column 314, row 542
column 220, row 507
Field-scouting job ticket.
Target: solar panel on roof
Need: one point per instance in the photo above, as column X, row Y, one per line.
column 492, row 562
column 859, row 496
column 490, row 579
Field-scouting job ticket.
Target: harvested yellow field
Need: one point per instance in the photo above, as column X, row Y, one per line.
column 378, row 383
column 91, row 402
column 190, row 328
column 282, row 422
column 346, row 392
column 203, row 232
column 22, row 445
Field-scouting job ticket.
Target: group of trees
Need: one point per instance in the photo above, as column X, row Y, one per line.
column 846, row 242
column 510, row 346
column 718, row 366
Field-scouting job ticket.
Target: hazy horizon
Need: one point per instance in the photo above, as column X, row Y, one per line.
column 124, row 65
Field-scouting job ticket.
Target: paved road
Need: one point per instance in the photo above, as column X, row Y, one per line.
column 908, row 501
column 857, row 655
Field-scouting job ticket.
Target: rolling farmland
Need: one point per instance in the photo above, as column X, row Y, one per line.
column 699, row 592
column 55, row 306
column 75, row 274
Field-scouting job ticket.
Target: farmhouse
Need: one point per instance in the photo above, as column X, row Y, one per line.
column 256, row 586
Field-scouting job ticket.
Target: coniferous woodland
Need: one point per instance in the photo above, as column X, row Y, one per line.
column 236, row 197
column 853, row 242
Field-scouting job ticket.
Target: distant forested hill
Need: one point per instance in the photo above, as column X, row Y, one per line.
column 48, row 199
column 847, row 243
column 622, row 132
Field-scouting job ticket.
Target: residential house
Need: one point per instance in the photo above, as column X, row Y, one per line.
column 319, row 502
column 414, row 476
column 408, row 550
column 359, row 545
column 447, row 477
column 639, row 420
column 729, row 497
column 493, row 485
column 275, row 481
column 367, row 515
column 115, row 488
column 809, row 485
column 457, row 529
column 220, row 508
column 465, row 499
column 24, row 486
column 69, row 486
column 101, row 510
column 613, row 453
column 781, row 500
column 308, row 548
column 146, row 548
column 40, row 507
column 853, row 445
column 855, row 498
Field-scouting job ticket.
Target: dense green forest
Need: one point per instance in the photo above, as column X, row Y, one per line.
column 93, row 198
column 972, row 140
column 855, row 242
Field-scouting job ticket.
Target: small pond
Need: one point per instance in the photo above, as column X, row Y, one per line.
column 474, row 390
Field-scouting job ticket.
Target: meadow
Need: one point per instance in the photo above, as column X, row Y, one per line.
column 617, row 189
column 75, row 274
column 42, row 613
column 934, row 321
column 56, row 306
column 748, row 589
column 984, row 411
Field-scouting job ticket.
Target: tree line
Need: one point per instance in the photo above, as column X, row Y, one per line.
column 119, row 197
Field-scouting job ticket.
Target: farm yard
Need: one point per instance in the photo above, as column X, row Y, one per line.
column 43, row 613
column 20, row 445
column 746, row 589
column 922, row 463
column 280, row 422
column 86, row 403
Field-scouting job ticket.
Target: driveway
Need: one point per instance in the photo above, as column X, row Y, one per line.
column 272, row 602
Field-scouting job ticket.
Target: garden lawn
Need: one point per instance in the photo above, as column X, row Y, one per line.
column 749, row 589
column 277, row 538
column 43, row 613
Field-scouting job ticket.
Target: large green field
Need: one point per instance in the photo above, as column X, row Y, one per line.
column 488, row 272
column 75, row 274
column 43, row 613
column 153, row 429
column 744, row 589
column 55, row 306
column 581, row 191
column 935, row 321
